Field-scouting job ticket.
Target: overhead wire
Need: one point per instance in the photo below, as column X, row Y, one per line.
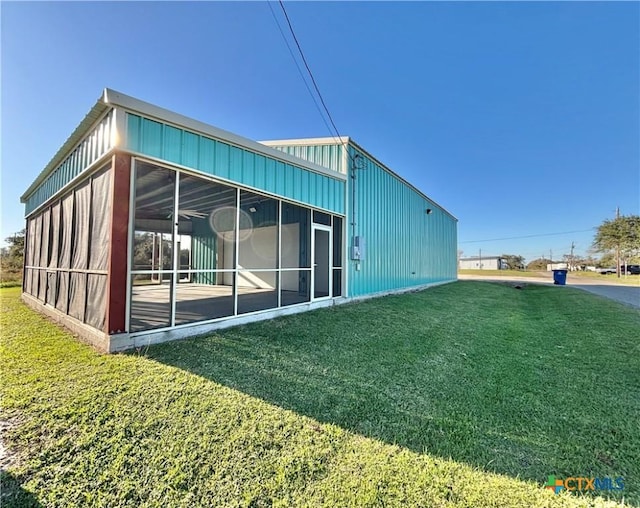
column 335, row 133
column 306, row 64
column 333, row 130
column 315, row 102
column 529, row 236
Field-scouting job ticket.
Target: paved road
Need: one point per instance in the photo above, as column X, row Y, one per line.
column 625, row 294
column 629, row 295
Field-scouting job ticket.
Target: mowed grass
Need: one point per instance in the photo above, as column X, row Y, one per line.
column 629, row 279
column 468, row 394
column 574, row 277
column 505, row 273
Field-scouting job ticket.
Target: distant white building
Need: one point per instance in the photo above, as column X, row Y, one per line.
column 483, row 263
column 557, row 266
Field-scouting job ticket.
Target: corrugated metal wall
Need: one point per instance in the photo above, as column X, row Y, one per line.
column 97, row 143
column 405, row 246
column 203, row 251
column 328, row 156
column 232, row 163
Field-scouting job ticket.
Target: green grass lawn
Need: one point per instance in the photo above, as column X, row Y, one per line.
column 468, row 394
column 631, row 280
column 505, row 273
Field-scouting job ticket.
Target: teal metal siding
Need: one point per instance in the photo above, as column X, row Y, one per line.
column 328, row 156
column 405, row 246
column 203, row 251
column 216, row 158
column 94, row 145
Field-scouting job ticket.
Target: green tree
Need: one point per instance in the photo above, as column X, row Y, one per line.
column 621, row 234
column 538, row 264
column 513, row 261
column 580, row 262
column 607, row 260
column 12, row 257
column 587, row 261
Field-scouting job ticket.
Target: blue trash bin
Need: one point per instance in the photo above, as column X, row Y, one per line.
column 560, row 277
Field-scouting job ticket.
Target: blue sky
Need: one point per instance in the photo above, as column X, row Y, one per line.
column 519, row 118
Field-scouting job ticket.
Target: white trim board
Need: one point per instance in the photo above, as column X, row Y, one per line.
column 307, row 142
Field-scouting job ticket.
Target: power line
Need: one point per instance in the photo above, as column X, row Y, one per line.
column 313, row 80
column 315, row 102
column 528, row 236
column 315, row 85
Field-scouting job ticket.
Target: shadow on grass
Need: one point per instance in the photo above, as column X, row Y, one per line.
column 12, row 495
column 513, row 381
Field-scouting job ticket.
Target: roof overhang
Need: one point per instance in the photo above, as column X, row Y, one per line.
column 113, row 99
column 151, row 111
column 396, row 175
column 346, row 141
column 342, row 140
column 93, row 116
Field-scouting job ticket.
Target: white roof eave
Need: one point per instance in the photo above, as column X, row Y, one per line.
column 111, row 99
column 94, row 114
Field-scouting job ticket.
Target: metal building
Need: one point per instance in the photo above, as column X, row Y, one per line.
column 483, row 263
column 148, row 226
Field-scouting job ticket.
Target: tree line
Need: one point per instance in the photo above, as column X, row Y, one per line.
column 12, row 258
column 615, row 239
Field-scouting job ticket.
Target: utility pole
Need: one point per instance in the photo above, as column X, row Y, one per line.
column 573, row 244
column 551, row 258
column 480, row 262
column 618, row 247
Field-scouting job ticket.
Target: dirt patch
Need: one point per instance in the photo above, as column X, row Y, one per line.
column 510, row 283
column 8, row 457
